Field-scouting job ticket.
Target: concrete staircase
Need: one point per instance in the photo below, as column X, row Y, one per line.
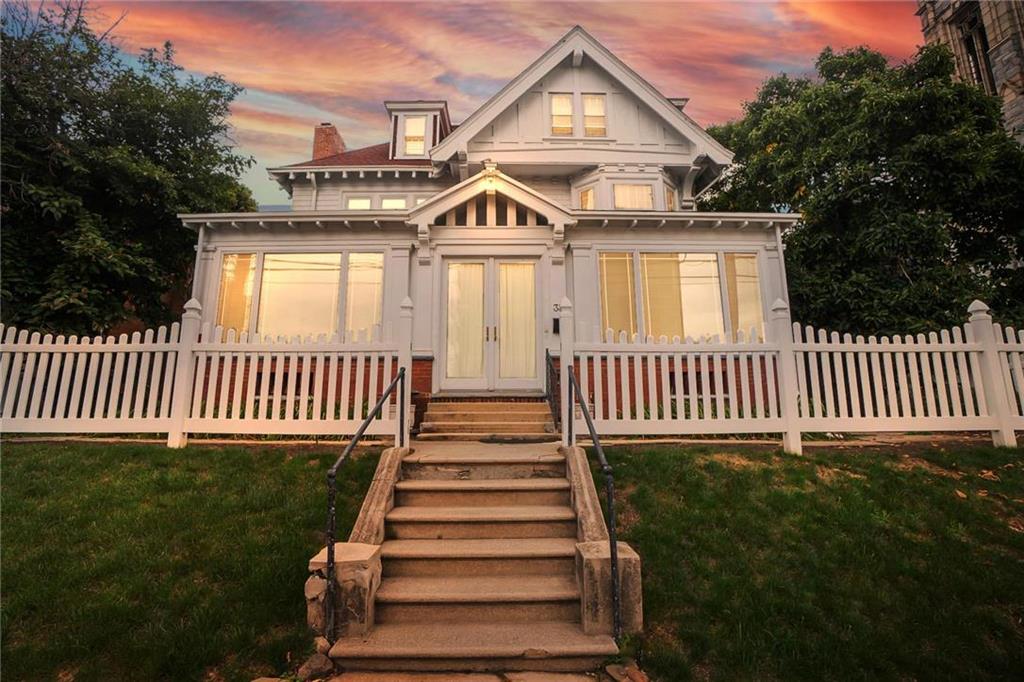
column 478, row 567
column 470, row 420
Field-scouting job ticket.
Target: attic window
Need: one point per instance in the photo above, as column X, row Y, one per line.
column 415, row 132
column 561, row 114
column 594, row 121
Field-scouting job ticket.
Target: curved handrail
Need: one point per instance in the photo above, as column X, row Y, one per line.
column 609, row 482
column 332, row 487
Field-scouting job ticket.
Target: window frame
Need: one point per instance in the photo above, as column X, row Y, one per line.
column 583, row 113
column 723, row 285
column 405, row 135
column 261, row 252
column 571, row 114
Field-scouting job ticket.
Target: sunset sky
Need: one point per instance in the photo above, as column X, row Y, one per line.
column 303, row 63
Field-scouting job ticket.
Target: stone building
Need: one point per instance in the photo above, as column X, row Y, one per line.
column 987, row 39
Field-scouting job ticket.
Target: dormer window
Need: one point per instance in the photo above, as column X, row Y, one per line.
column 415, row 135
column 561, row 114
column 594, row 120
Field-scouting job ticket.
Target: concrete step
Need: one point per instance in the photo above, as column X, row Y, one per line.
column 488, row 437
column 506, row 599
column 482, row 464
column 475, row 646
column 500, row 407
column 479, row 557
column 473, row 493
column 480, row 522
column 492, row 427
column 447, row 416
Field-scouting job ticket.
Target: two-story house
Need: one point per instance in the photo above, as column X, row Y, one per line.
column 577, row 179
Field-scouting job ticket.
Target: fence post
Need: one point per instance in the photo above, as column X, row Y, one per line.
column 181, row 398
column 983, row 332
column 566, row 354
column 405, row 360
column 789, row 398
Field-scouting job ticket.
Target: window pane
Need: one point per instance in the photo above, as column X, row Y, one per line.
column 745, row 309
column 587, row 199
column 415, row 130
column 299, row 294
column 594, row 116
column 237, row 276
column 618, row 297
column 358, row 204
column 365, row 292
column 634, row 196
column 682, row 294
column 561, row 114
column 393, row 203
column 670, row 199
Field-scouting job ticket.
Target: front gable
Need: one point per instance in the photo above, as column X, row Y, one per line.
column 517, row 118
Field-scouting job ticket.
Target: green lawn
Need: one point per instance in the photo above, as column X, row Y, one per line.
column 841, row 564
column 135, row 562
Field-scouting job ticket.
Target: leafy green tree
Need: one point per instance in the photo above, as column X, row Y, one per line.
column 99, row 153
column 912, row 193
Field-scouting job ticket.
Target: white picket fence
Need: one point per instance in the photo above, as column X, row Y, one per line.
column 801, row 380
column 191, row 380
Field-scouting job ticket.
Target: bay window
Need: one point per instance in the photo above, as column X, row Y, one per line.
column 634, row 196
column 299, row 294
column 680, row 294
column 587, row 199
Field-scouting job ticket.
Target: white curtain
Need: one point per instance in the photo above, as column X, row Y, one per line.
column 465, row 353
column 517, row 321
column 365, row 292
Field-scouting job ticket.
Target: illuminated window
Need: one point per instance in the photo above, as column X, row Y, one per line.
column 415, row 132
column 392, row 203
column 634, row 196
column 744, row 289
column 587, row 199
column 618, row 302
column 237, row 277
column 594, row 119
column 561, row 114
column 682, row 295
column 670, row 199
column 299, row 294
column 364, row 292
column 358, row 204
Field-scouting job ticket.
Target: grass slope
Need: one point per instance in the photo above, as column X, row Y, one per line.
column 135, row 562
column 836, row 565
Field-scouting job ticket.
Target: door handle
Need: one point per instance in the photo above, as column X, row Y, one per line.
column 487, row 333
column 495, row 334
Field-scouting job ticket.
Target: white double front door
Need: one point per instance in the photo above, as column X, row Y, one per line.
column 491, row 328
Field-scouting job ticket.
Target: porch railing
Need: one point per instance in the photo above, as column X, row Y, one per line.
column 332, row 486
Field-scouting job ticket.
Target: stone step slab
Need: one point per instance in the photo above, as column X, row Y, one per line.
column 453, row 493
column 479, row 557
column 481, row 522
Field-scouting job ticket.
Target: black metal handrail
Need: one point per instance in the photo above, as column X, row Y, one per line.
column 552, row 386
column 332, row 487
column 575, row 394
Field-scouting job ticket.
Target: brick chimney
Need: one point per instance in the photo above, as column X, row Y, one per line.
column 326, row 141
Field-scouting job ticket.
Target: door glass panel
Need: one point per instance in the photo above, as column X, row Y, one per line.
column 465, row 352
column 517, row 321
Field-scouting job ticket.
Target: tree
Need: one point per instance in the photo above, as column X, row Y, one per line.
column 912, row 193
column 99, row 153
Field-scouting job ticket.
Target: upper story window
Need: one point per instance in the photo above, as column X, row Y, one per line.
column 358, row 204
column 415, row 135
column 634, row 196
column 561, row 114
column 392, row 203
column 670, row 198
column 587, row 199
column 594, row 118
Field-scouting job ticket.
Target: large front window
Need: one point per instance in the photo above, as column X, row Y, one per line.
column 681, row 295
column 298, row 294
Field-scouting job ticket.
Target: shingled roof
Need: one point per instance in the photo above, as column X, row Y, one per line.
column 372, row 156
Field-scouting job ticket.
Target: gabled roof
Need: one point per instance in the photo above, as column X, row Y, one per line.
column 575, row 40
column 373, row 156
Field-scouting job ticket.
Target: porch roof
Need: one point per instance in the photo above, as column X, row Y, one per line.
column 380, row 219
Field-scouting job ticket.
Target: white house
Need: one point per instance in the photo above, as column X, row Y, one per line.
column 577, row 179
